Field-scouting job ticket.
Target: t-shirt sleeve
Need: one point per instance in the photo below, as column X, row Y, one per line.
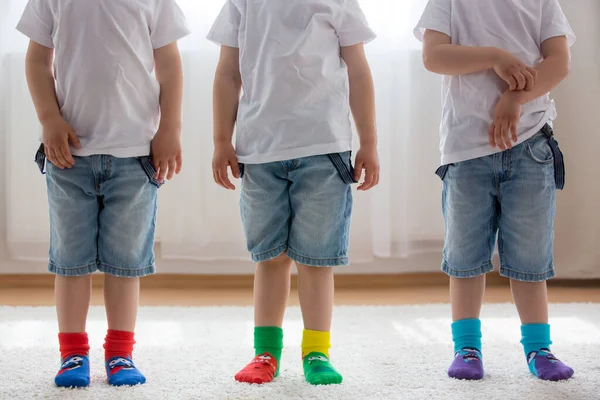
column 168, row 24
column 225, row 30
column 353, row 27
column 37, row 22
column 555, row 23
column 436, row 17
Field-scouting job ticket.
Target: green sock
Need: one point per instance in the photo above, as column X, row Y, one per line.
column 269, row 339
column 319, row 371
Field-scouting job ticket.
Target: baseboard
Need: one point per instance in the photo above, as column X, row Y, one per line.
column 374, row 281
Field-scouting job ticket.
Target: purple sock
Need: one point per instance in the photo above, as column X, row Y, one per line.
column 467, row 364
column 545, row 366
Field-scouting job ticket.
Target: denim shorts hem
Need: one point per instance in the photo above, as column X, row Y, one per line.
column 77, row 271
column 126, row 272
column 527, row 276
column 471, row 273
column 317, row 262
column 269, row 255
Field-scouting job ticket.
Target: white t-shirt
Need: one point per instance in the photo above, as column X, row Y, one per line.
column 103, row 66
column 295, row 100
column 469, row 101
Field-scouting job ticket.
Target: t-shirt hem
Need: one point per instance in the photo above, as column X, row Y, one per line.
column 365, row 38
column 419, row 31
column 33, row 34
column 309, row 151
column 488, row 150
column 127, row 152
column 222, row 40
column 177, row 35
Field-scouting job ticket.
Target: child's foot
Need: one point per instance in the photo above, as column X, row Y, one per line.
column 467, row 364
column 122, row 372
column 545, row 366
column 262, row 369
column 74, row 372
column 319, row 371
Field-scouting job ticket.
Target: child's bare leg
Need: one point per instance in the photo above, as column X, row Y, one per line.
column 271, row 293
column 316, row 293
column 121, row 299
column 73, row 295
column 531, row 299
column 466, row 296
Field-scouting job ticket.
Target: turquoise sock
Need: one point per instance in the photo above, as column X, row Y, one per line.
column 541, row 362
column 466, row 333
column 535, row 337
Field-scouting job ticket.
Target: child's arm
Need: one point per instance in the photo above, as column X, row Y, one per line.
column 362, row 104
column 442, row 57
column 553, row 70
column 166, row 145
column 56, row 131
column 226, row 98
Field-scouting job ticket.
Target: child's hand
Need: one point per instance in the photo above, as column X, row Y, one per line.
column 518, row 75
column 367, row 159
column 57, row 134
column 224, row 157
column 503, row 131
column 166, row 153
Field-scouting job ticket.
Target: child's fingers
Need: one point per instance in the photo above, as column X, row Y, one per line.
column 498, row 136
column 66, row 153
column 163, row 167
column 530, row 80
column 224, row 178
column 358, row 170
column 512, row 83
column 179, row 161
column 52, row 157
column 235, row 168
column 513, row 130
column 534, row 73
column 368, row 183
column 172, row 166
column 74, row 140
column 521, row 81
column 506, row 134
column 60, row 158
column 491, row 135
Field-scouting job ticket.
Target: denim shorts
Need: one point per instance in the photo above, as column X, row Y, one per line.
column 509, row 196
column 300, row 207
column 102, row 216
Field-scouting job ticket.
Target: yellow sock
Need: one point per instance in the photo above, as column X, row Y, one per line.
column 315, row 341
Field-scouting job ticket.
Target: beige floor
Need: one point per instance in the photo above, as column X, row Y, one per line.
column 381, row 296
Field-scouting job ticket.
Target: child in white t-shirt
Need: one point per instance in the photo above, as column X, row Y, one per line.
column 500, row 162
column 302, row 67
column 111, row 135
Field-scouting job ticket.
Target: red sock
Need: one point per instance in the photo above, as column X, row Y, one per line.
column 118, row 344
column 72, row 344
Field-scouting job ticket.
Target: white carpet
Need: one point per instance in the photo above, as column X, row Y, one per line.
column 383, row 352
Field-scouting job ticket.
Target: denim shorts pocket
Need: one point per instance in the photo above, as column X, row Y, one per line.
column 543, row 149
column 241, row 167
column 40, row 159
column 343, row 163
column 442, row 171
column 150, row 171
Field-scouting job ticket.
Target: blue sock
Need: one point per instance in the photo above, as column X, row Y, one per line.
column 541, row 362
column 122, row 372
column 74, row 372
column 467, row 363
